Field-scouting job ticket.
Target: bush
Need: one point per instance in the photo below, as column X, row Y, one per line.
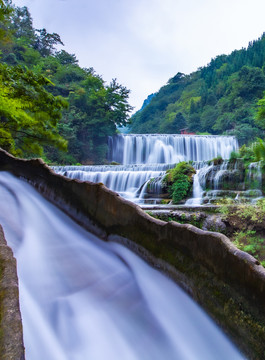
column 216, row 161
column 179, row 180
column 234, row 156
column 180, row 189
column 248, row 241
column 249, row 222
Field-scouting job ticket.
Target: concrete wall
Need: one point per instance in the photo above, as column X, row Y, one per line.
column 227, row 282
column 11, row 337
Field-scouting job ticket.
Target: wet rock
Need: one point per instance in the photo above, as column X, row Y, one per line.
column 214, row 223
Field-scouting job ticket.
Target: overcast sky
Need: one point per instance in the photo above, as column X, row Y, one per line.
column 143, row 43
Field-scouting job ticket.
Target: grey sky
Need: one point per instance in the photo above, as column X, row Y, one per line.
column 143, row 43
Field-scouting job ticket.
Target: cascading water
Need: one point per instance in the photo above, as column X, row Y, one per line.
column 126, row 180
column 197, row 191
column 147, row 156
column 226, row 179
column 169, row 149
column 219, row 175
column 255, row 174
column 82, row 298
column 201, row 168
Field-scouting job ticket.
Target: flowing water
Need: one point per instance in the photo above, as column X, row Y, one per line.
column 147, row 156
column 168, row 148
column 213, row 183
column 82, row 298
column 126, row 180
column 197, row 191
column 255, row 174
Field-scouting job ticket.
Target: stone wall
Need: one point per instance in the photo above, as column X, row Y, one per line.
column 11, row 337
column 227, row 282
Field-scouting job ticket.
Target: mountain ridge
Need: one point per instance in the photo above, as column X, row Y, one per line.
column 219, row 98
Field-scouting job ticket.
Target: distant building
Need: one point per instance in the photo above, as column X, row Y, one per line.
column 186, row 131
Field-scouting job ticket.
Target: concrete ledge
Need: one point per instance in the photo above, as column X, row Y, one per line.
column 228, row 283
column 11, row 336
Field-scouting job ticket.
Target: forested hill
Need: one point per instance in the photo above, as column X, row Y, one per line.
column 220, row 98
column 47, row 100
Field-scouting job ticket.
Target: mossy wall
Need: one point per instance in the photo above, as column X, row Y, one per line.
column 227, row 282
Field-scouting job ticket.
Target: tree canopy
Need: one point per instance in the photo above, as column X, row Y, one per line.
column 37, row 82
column 29, row 114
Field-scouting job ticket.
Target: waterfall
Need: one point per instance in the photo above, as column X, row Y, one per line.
column 226, row 180
column 169, row 149
column 219, row 174
column 197, row 190
column 126, row 180
column 83, row 298
column 146, row 156
column 255, row 175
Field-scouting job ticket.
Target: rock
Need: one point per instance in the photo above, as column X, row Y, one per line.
column 11, row 336
column 214, row 223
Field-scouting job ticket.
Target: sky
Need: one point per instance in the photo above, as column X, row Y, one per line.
column 143, row 43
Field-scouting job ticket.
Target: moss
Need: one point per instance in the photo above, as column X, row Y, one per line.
column 165, row 201
column 216, row 161
column 181, row 219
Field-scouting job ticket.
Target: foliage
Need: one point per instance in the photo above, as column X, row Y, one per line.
column 260, row 115
column 216, row 161
column 248, row 221
column 247, row 154
column 259, row 150
column 5, row 12
column 180, row 188
column 234, row 155
column 28, row 113
column 248, row 214
column 179, row 181
column 45, row 42
column 223, row 97
column 95, row 108
column 249, row 242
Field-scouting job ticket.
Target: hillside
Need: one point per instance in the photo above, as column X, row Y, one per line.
column 30, row 58
column 220, row 98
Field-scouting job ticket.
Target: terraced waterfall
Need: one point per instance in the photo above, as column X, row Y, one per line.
column 144, row 157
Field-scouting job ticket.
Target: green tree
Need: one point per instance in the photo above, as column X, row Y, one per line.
column 5, row 12
column 245, row 133
column 260, row 115
column 22, row 26
column 100, row 110
column 95, row 109
column 45, row 42
column 29, row 114
column 174, row 123
column 259, row 150
column 65, row 58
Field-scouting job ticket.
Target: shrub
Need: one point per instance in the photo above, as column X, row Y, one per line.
column 249, row 221
column 234, row 155
column 248, row 241
column 216, row 161
column 180, row 188
column 179, row 180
